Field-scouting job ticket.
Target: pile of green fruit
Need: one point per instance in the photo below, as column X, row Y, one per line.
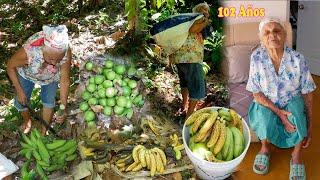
column 113, row 89
column 48, row 155
column 216, row 135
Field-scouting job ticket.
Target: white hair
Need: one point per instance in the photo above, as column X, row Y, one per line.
column 198, row 6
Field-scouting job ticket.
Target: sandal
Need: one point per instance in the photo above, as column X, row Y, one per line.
column 261, row 160
column 297, row 171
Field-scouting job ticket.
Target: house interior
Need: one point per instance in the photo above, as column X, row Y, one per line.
column 240, row 41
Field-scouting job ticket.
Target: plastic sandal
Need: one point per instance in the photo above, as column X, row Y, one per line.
column 261, row 160
column 297, row 171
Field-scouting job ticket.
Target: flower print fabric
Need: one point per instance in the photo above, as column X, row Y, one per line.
column 37, row 70
column 292, row 79
column 191, row 51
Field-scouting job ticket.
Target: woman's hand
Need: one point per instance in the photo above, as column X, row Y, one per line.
column 22, row 98
column 307, row 140
column 283, row 115
column 61, row 117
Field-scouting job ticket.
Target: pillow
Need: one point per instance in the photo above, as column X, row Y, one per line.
column 236, row 62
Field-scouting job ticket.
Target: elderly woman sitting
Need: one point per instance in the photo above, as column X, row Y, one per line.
column 45, row 59
column 282, row 87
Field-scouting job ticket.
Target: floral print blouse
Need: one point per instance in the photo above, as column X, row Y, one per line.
column 36, row 70
column 191, row 51
column 292, row 79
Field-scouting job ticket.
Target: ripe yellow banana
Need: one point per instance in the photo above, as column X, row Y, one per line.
column 137, row 168
column 240, row 126
column 120, row 165
column 142, row 157
column 158, row 161
column 174, row 140
column 179, row 147
column 199, row 121
column 124, row 159
column 153, row 128
column 135, row 152
column 195, row 115
column 234, row 117
column 162, row 155
column 214, row 134
column 133, row 165
column 153, row 166
column 207, row 126
column 222, row 137
column 88, row 152
column 237, row 120
column 148, row 159
column 206, row 136
column 122, row 169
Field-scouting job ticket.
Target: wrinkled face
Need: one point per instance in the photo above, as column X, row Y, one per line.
column 52, row 56
column 273, row 35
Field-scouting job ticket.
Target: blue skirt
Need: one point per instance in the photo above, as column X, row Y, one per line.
column 267, row 125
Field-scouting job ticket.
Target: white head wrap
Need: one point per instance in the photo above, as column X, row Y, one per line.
column 267, row 20
column 56, row 37
column 196, row 8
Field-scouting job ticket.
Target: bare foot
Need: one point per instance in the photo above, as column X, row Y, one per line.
column 201, row 104
column 181, row 112
column 43, row 130
column 296, row 159
column 26, row 127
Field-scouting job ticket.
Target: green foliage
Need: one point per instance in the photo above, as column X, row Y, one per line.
column 213, row 45
column 143, row 13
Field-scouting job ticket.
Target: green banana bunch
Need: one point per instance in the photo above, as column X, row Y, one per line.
column 221, row 131
column 230, row 150
column 48, row 156
column 25, row 174
column 225, row 114
column 238, row 141
column 226, row 146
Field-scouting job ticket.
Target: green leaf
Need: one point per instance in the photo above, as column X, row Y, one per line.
column 183, row 2
column 159, row 2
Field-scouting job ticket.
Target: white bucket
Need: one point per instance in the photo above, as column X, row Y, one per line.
column 212, row 170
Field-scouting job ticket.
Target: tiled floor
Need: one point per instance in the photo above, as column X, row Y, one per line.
column 279, row 162
column 240, row 98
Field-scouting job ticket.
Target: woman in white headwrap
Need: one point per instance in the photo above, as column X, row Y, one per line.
column 188, row 60
column 282, row 86
column 45, row 59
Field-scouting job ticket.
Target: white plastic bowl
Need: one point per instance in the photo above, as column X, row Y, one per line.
column 212, row 170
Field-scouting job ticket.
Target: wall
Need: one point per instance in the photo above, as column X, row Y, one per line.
column 276, row 8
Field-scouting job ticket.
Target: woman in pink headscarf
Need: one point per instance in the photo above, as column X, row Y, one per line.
column 44, row 59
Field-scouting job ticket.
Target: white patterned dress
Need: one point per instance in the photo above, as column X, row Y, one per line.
column 35, row 71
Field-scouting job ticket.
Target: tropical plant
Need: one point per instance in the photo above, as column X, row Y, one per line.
column 142, row 13
column 213, row 45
